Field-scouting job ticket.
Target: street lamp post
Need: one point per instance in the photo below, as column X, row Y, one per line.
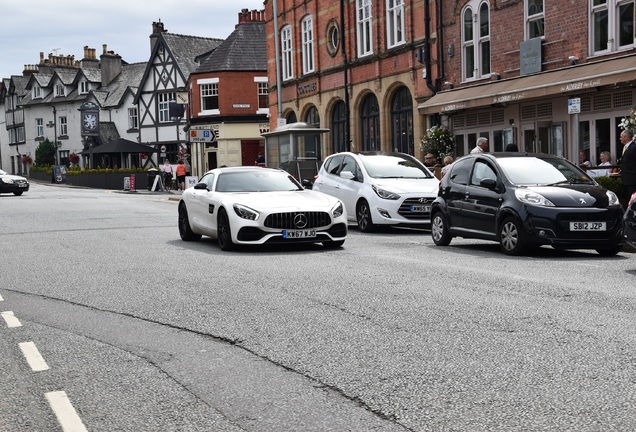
column 55, row 133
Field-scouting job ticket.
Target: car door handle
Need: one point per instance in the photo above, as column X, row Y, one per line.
column 337, row 186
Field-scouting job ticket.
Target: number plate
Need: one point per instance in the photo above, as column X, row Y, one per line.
column 587, row 226
column 420, row 209
column 294, row 234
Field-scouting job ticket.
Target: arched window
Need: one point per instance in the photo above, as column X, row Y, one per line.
column 291, row 117
column 402, row 121
column 312, row 118
column 475, row 41
column 370, row 123
column 312, row 142
column 338, row 128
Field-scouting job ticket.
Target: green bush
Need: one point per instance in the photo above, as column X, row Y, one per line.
column 615, row 184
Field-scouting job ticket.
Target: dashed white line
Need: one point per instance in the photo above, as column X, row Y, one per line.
column 1, row 299
column 33, row 356
column 10, row 319
column 65, row 413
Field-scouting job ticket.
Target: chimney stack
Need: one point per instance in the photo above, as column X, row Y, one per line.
column 246, row 16
column 110, row 65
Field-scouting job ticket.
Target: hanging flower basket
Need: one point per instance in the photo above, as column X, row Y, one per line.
column 438, row 141
column 73, row 158
column 629, row 122
column 27, row 160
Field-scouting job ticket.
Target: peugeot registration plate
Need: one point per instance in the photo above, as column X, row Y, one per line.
column 296, row 234
column 588, row 226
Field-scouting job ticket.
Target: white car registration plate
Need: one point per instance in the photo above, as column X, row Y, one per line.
column 293, row 234
column 587, row 226
column 420, row 209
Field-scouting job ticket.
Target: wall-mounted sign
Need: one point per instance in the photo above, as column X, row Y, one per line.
column 182, row 98
column 530, row 56
column 241, row 106
column 574, row 106
column 308, row 88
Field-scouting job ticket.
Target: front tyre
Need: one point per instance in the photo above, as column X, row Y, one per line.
column 18, row 193
column 224, row 232
column 610, row 251
column 511, row 237
column 439, row 230
column 363, row 216
column 185, row 230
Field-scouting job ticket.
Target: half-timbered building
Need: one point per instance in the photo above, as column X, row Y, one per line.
column 173, row 57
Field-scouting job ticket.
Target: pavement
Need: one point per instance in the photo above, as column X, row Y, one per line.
column 173, row 195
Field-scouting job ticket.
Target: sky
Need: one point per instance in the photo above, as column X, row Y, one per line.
column 66, row 26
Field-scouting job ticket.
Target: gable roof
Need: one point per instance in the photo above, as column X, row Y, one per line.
column 128, row 80
column 185, row 49
column 244, row 50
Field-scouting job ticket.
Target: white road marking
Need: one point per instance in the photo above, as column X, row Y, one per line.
column 10, row 319
column 64, row 411
column 1, row 299
column 33, row 357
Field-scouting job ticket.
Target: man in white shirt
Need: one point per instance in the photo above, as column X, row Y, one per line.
column 482, row 145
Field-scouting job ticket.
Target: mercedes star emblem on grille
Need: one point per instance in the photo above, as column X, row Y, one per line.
column 300, row 221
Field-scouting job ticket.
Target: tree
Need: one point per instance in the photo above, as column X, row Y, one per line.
column 45, row 153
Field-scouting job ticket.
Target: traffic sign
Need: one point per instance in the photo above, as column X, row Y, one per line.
column 574, row 106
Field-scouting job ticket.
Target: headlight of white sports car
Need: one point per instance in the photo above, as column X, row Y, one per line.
column 338, row 210
column 245, row 212
column 385, row 194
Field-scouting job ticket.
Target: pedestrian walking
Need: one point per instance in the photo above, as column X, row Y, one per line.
column 181, row 174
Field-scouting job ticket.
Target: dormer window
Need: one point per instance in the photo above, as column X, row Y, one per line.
column 37, row 92
column 84, row 87
column 60, row 90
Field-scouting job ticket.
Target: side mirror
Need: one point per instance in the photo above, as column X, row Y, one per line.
column 488, row 183
column 201, row 186
column 347, row 175
column 307, row 184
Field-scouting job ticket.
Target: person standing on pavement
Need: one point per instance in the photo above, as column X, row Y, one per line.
column 167, row 174
column 628, row 163
column 181, row 174
column 482, row 146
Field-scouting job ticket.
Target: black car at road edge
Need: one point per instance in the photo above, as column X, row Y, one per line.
column 14, row 184
column 629, row 222
column 526, row 200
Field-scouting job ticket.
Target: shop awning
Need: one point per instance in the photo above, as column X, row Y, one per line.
column 567, row 81
column 121, row 145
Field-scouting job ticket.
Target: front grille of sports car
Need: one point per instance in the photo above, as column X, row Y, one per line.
column 405, row 208
column 297, row 220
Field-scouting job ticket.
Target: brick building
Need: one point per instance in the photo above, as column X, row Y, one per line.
column 518, row 70
column 229, row 105
column 514, row 71
column 363, row 86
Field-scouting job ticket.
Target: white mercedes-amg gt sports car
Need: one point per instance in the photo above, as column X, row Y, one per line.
column 255, row 205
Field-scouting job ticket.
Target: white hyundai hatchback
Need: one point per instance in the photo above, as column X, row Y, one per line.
column 379, row 188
